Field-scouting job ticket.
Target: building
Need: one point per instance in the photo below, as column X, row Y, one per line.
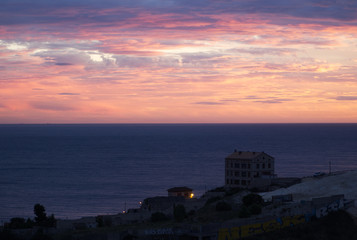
column 180, row 191
column 248, row 169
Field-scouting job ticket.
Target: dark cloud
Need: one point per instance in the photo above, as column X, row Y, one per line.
column 63, row 64
column 106, row 12
column 209, row 103
column 346, row 98
column 67, row 93
column 52, row 106
column 274, row 100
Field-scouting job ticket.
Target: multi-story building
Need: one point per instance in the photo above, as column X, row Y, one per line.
column 248, row 169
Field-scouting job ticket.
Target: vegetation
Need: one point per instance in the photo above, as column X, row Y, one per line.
column 20, row 223
column 41, row 218
column 244, row 212
column 251, row 199
column 179, row 213
column 252, row 205
column 233, row 191
column 212, row 200
column 223, row 206
column 158, row 217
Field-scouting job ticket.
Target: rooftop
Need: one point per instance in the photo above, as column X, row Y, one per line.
column 244, row 155
column 180, row 189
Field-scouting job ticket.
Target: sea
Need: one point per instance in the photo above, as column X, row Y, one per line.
column 78, row 170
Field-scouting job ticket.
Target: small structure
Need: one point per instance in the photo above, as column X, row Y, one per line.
column 180, row 192
column 248, row 169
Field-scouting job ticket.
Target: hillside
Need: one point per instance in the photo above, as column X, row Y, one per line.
column 338, row 183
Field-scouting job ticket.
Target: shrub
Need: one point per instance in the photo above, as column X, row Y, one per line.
column 233, row 191
column 179, row 213
column 212, row 200
column 223, row 206
column 255, row 209
column 158, row 217
column 244, row 212
column 252, row 198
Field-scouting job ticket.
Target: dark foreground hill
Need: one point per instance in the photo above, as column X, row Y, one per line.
column 335, row 226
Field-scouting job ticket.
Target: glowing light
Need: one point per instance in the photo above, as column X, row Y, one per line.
column 192, row 195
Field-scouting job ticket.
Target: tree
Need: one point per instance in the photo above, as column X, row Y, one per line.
column 252, row 198
column 40, row 213
column 255, row 209
column 158, row 217
column 244, row 212
column 41, row 218
column 179, row 213
column 223, row 206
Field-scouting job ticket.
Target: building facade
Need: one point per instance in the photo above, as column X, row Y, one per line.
column 246, row 169
column 180, row 192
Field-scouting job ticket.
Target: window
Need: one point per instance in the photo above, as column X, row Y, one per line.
column 269, row 165
column 248, row 165
column 227, row 173
column 236, row 165
column 231, row 164
column 257, row 165
column 263, row 165
column 248, row 174
column 244, row 182
column 227, row 181
column 236, row 182
column 244, row 174
column 244, row 165
column 236, row 174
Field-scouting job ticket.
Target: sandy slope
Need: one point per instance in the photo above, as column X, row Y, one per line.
column 344, row 183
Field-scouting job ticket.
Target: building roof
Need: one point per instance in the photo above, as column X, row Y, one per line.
column 244, row 155
column 180, row 189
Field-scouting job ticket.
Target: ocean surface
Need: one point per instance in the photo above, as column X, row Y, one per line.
column 87, row 170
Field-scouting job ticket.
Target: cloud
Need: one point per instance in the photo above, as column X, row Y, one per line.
column 109, row 12
column 69, row 94
column 274, row 100
column 52, row 106
column 63, row 64
column 267, row 51
column 346, row 98
column 209, row 103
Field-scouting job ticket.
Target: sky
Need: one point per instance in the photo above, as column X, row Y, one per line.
column 178, row 61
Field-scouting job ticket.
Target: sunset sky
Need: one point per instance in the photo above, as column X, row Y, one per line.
column 178, row 61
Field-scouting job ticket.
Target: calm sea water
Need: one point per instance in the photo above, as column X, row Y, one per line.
column 86, row 170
